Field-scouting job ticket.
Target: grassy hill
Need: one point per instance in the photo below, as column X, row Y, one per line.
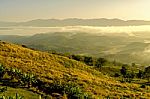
column 50, row 68
column 111, row 46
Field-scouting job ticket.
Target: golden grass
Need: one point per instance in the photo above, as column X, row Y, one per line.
column 49, row 67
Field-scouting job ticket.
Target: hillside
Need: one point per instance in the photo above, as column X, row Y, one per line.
column 49, row 67
column 111, row 46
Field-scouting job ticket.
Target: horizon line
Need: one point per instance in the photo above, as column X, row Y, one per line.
column 75, row 18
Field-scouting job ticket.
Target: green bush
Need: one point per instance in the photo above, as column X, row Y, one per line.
column 2, row 70
column 72, row 90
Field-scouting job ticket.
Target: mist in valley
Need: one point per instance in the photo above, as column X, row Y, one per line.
column 120, row 43
column 124, row 30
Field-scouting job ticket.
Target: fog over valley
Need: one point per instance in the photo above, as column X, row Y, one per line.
column 26, row 30
column 112, row 42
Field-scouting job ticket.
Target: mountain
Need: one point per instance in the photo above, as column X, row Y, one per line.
column 111, row 46
column 50, row 67
column 76, row 22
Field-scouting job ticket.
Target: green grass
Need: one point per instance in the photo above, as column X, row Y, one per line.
column 23, row 92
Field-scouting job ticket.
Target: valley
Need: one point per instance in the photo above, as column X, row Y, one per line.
column 121, row 47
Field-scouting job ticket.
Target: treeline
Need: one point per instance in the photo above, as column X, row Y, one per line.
column 89, row 60
column 128, row 75
column 16, row 78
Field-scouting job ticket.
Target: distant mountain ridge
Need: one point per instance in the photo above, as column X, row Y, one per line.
column 76, row 22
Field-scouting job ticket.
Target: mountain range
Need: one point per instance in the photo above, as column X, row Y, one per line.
column 76, row 22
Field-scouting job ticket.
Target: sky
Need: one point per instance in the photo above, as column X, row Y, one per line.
column 24, row 10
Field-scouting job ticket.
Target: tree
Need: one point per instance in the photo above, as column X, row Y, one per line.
column 78, row 57
column 147, row 73
column 140, row 74
column 129, row 76
column 123, row 71
column 100, row 62
column 88, row 60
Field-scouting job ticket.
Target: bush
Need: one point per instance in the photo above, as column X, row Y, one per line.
column 116, row 75
column 2, row 70
column 143, row 86
column 3, row 89
column 72, row 90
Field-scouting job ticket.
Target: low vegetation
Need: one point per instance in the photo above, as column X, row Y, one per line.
column 60, row 76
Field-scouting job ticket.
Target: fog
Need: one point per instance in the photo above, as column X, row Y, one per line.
column 130, row 30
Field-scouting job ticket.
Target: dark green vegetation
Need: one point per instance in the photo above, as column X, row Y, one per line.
column 15, row 78
column 68, row 76
column 119, row 47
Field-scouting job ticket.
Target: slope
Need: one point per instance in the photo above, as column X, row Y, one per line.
column 50, row 67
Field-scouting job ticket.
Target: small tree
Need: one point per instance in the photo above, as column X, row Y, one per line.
column 123, row 71
column 77, row 57
column 88, row 60
column 140, row 74
column 100, row 62
column 129, row 76
column 147, row 73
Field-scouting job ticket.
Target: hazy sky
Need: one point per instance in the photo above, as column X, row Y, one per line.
column 22, row 10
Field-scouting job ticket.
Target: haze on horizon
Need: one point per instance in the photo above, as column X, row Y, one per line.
column 23, row 10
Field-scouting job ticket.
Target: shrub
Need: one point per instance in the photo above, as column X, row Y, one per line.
column 72, row 90
column 3, row 89
column 143, row 86
column 1, row 71
column 116, row 75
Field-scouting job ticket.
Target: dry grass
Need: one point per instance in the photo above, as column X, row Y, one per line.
column 49, row 67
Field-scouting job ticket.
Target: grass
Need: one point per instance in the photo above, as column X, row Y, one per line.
column 49, row 67
column 23, row 92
